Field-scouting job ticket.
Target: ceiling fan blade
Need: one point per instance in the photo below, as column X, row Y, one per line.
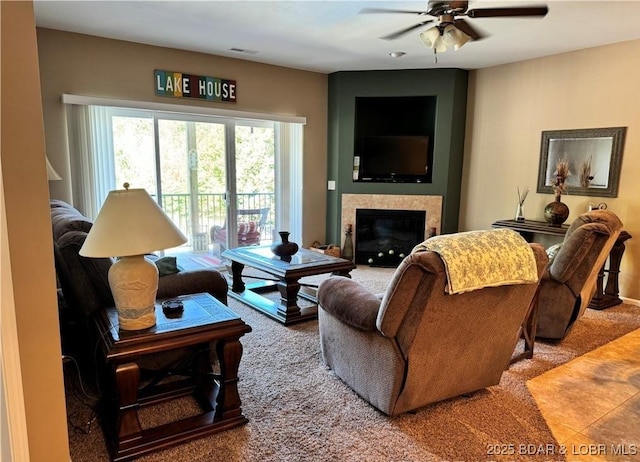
column 406, row 30
column 501, row 12
column 387, row 10
column 467, row 29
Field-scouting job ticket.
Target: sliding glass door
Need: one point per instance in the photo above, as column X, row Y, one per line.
column 214, row 178
column 254, row 184
column 225, row 181
column 191, row 170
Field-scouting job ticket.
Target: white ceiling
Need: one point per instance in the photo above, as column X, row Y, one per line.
column 329, row 36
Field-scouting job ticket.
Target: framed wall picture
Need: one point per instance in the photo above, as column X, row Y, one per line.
column 594, row 156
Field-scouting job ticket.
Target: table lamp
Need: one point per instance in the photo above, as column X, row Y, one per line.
column 129, row 225
column 52, row 175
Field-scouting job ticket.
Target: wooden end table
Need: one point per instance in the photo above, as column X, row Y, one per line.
column 286, row 280
column 204, row 321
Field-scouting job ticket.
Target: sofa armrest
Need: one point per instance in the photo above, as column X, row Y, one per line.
column 193, row 282
column 350, row 302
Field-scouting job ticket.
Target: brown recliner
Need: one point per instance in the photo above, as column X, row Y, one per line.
column 419, row 345
column 569, row 282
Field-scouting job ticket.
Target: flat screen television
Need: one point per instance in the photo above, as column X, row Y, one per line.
column 401, row 159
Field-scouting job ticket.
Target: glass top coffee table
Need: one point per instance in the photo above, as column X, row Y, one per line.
column 286, row 277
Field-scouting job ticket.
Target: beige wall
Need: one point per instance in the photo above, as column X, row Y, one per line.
column 509, row 107
column 30, row 271
column 92, row 66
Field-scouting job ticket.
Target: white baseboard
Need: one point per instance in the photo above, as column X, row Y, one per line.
column 630, row 301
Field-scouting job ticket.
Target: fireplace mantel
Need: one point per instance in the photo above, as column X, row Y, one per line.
column 432, row 205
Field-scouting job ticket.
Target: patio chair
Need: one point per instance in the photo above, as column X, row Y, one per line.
column 251, row 223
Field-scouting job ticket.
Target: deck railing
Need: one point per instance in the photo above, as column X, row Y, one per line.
column 212, row 210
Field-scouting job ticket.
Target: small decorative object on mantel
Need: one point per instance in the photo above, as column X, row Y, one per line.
column 557, row 212
column 520, row 209
column 347, row 249
column 284, row 249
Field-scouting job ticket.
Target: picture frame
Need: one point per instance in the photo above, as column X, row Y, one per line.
column 594, row 156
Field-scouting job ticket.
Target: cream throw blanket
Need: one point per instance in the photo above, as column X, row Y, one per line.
column 478, row 259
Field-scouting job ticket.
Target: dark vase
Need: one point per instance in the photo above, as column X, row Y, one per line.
column 556, row 212
column 284, row 248
column 347, row 249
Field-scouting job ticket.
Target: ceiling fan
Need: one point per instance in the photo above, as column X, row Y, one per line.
column 451, row 30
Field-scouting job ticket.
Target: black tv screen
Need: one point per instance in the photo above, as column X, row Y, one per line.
column 394, row 158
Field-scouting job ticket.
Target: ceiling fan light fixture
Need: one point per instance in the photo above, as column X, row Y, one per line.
column 461, row 42
column 431, row 37
column 454, row 37
column 439, row 38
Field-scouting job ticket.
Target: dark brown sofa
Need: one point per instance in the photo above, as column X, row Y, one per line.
column 84, row 281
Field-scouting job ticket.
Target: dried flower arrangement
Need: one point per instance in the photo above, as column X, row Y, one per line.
column 562, row 172
column 585, row 173
column 522, row 195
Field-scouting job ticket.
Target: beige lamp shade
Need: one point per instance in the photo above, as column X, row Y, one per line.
column 52, row 175
column 130, row 222
column 129, row 225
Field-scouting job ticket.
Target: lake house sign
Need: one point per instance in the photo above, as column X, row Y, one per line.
column 179, row 85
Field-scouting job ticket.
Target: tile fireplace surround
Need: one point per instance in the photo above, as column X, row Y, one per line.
column 432, row 204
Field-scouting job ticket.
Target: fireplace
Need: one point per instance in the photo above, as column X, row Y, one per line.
column 384, row 236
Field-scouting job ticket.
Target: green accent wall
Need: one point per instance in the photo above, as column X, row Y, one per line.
column 449, row 86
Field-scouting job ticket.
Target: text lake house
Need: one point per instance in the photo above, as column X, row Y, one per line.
column 177, row 84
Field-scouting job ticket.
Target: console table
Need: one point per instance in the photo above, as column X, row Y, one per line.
column 204, row 321
column 605, row 296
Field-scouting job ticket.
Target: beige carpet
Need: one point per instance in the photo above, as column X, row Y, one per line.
column 299, row 411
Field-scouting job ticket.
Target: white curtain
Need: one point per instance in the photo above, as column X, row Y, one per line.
column 92, row 158
column 288, row 143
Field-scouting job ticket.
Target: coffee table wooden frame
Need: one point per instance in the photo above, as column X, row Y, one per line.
column 286, row 277
column 205, row 321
